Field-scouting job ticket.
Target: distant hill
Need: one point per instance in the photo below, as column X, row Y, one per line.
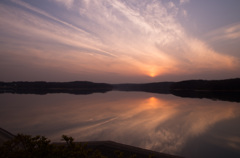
column 228, row 89
column 77, row 87
column 158, row 87
column 207, row 85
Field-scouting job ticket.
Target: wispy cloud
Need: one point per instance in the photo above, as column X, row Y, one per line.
column 38, row 27
column 184, row 13
column 230, row 32
column 143, row 37
column 41, row 12
column 66, row 3
column 184, row 1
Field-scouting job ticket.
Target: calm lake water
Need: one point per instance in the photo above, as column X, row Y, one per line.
column 183, row 126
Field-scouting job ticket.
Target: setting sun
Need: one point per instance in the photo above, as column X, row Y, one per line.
column 152, row 71
column 152, row 74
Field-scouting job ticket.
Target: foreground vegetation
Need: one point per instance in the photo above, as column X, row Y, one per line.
column 26, row 146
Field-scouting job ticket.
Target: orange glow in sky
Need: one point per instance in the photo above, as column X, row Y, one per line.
column 152, row 74
column 152, row 71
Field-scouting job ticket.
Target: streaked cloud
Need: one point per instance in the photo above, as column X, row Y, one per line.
column 123, row 37
column 231, row 32
column 184, row 1
column 67, row 3
column 184, row 13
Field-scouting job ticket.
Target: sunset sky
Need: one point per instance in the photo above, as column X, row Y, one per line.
column 118, row 41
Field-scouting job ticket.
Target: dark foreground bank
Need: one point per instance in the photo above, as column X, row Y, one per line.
column 39, row 146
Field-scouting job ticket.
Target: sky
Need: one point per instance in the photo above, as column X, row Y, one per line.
column 119, row 41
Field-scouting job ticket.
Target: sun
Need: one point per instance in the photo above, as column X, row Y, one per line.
column 152, row 74
column 152, row 71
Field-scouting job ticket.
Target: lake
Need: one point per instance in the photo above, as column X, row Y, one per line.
column 187, row 127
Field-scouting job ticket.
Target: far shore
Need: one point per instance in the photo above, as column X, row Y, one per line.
column 226, row 90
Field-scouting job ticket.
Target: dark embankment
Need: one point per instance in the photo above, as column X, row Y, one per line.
column 158, row 87
column 110, row 148
column 227, row 90
column 77, row 87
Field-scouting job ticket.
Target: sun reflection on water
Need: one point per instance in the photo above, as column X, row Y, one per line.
column 152, row 102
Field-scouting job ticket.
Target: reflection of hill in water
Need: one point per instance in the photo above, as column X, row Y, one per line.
column 227, row 90
column 214, row 95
